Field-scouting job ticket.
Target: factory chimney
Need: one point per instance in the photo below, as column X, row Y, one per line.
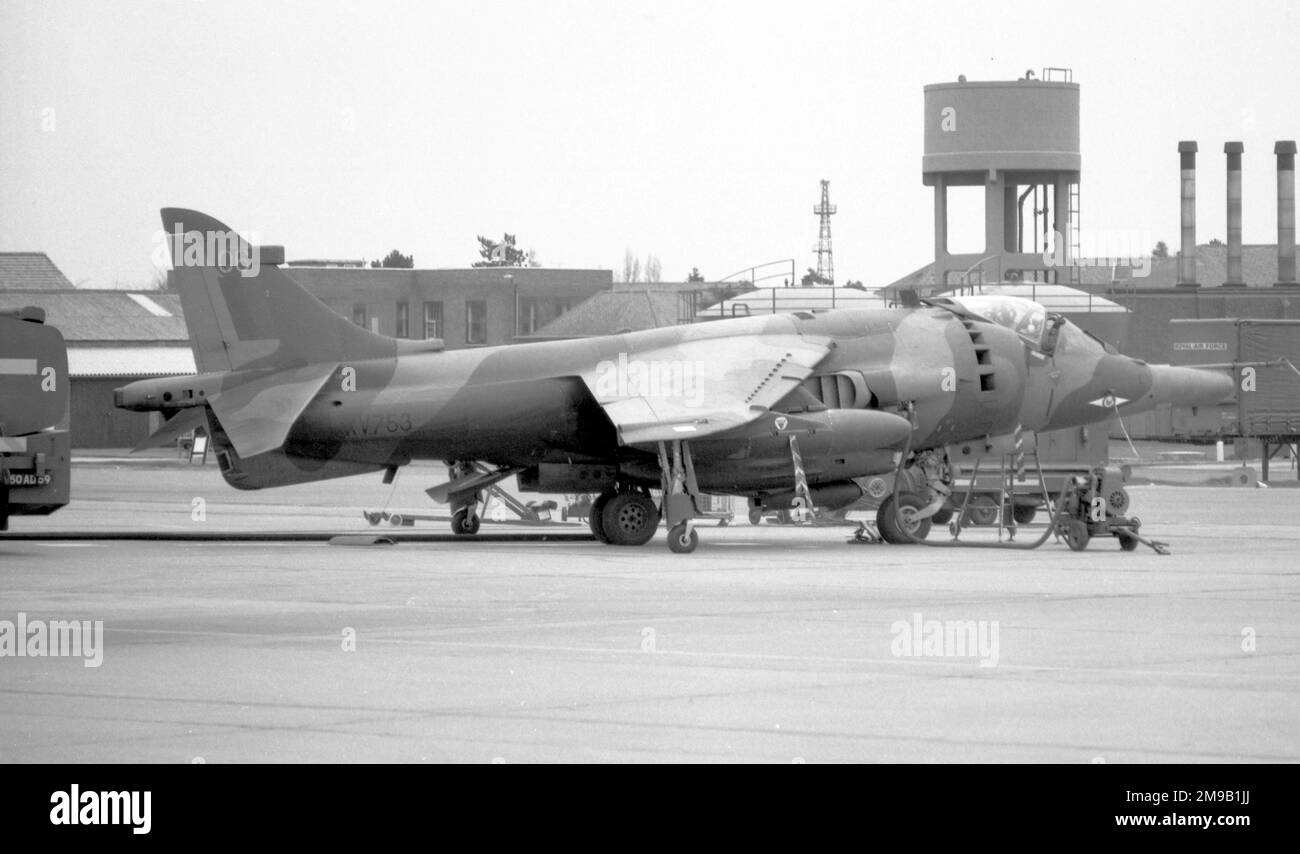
column 1234, row 150
column 1187, row 255
column 1285, row 151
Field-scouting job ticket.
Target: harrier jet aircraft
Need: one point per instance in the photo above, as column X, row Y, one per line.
column 786, row 410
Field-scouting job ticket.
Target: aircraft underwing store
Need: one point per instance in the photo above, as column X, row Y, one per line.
column 803, row 412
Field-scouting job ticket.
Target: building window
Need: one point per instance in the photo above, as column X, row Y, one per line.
column 475, row 322
column 529, row 316
column 433, row 320
column 403, row 325
column 359, row 314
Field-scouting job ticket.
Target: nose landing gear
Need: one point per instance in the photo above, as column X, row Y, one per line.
column 681, row 496
column 465, row 519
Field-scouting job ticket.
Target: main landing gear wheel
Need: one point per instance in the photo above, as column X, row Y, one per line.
column 893, row 522
column 682, row 541
column 1023, row 513
column 755, row 515
column 596, row 515
column 982, row 511
column 629, row 519
column 463, row 524
column 1076, row 534
column 942, row 516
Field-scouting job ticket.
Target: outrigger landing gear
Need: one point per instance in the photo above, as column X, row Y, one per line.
column 681, row 496
column 464, row 514
column 465, row 522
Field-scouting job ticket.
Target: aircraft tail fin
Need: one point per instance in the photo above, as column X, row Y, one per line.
column 245, row 313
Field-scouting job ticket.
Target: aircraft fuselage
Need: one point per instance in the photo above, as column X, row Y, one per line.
column 953, row 379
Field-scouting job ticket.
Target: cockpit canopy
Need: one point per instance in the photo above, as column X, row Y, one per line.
column 1037, row 327
column 1024, row 317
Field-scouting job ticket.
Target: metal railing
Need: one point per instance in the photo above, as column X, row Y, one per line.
column 754, row 278
column 786, row 300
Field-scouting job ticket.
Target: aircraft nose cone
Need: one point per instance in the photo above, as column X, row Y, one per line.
column 1172, row 386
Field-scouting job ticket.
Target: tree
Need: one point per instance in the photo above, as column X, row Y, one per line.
column 631, row 267
column 1161, row 250
column 503, row 253
column 1214, row 241
column 695, row 275
column 857, row 285
column 634, row 270
column 397, row 260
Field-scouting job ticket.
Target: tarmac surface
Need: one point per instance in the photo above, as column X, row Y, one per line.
column 768, row 644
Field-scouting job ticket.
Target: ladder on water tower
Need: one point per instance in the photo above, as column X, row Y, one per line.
column 1075, row 246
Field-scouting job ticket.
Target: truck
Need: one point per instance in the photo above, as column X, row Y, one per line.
column 35, row 445
column 1264, row 355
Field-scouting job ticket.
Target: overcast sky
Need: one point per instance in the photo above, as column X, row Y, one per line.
column 697, row 131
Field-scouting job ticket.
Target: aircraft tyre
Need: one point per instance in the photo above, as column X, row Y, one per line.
column 1127, row 542
column 982, row 510
column 596, row 514
column 755, row 515
column 1023, row 513
column 889, row 524
column 942, row 516
column 629, row 519
column 682, row 542
column 462, row 524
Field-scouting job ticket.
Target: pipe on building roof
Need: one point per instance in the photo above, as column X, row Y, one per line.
column 1234, row 151
column 1187, row 255
column 1285, row 151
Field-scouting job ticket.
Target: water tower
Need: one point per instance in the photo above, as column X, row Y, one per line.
column 1019, row 140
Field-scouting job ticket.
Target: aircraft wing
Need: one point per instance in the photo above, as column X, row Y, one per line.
column 257, row 414
column 700, row 388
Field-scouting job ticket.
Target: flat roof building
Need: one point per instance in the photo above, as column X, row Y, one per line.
column 465, row 307
column 113, row 337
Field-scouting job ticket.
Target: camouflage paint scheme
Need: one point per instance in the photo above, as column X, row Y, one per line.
column 293, row 392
